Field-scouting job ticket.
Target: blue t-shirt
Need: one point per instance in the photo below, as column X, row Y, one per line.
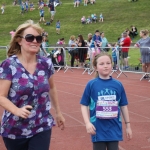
column 57, row 24
column 106, row 129
column 97, row 39
column 41, row 12
column 114, row 55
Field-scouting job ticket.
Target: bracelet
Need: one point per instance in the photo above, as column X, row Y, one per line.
column 127, row 122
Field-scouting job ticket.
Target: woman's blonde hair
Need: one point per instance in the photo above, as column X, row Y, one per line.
column 15, row 48
column 145, row 32
column 72, row 37
column 95, row 60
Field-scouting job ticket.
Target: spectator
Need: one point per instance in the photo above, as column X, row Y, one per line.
column 125, row 48
column 73, row 51
column 12, row 33
column 58, row 27
column 3, row 8
column 52, row 11
column 31, row 6
column 144, row 44
column 115, row 49
column 44, row 33
column 133, row 31
column 76, row 3
column 97, row 42
column 22, row 8
column 89, row 45
column 15, row 2
column 101, row 18
column 85, row 2
column 95, row 18
column 61, row 41
column 42, row 15
column 82, row 51
column 88, row 20
column 83, row 20
column 105, row 45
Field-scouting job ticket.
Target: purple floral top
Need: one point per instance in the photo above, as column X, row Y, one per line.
column 27, row 89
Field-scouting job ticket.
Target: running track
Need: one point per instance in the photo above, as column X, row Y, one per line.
column 70, row 86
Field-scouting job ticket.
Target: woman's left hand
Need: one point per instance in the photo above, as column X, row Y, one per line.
column 60, row 120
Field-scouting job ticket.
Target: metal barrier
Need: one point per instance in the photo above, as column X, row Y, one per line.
column 50, row 49
column 3, row 50
column 134, row 55
column 136, row 67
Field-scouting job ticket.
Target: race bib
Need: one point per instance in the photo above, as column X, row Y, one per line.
column 107, row 107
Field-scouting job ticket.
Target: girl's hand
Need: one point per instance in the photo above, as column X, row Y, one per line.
column 90, row 128
column 129, row 133
column 60, row 121
column 23, row 112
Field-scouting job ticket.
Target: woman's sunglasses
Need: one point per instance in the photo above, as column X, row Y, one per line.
column 30, row 38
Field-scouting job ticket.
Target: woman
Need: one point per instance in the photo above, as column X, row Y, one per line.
column 27, row 87
column 82, row 51
column 144, row 44
column 104, row 42
column 73, row 51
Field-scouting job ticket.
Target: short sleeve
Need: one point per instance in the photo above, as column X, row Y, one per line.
column 85, row 100
column 123, row 100
column 51, row 69
column 6, row 70
column 138, row 42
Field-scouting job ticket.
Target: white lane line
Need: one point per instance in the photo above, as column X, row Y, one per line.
column 147, row 99
column 74, row 118
column 70, row 93
column 139, row 115
column 71, row 83
column 121, row 148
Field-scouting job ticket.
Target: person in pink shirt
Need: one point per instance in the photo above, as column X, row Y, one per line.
column 12, row 33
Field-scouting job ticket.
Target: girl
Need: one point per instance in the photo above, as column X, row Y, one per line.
column 101, row 18
column 115, row 49
column 58, row 27
column 42, row 15
column 83, row 20
column 106, row 99
column 2, row 8
column 85, row 2
column 82, row 50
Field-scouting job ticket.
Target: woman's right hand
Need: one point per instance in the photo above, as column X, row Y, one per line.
column 24, row 111
column 90, row 128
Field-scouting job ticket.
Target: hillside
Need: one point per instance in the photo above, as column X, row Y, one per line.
column 118, row 15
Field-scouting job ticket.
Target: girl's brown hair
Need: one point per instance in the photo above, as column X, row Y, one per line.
column 14, row 47
column 95, row 61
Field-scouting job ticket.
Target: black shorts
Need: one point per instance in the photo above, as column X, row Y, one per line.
column 124, row 54
column 103, row 145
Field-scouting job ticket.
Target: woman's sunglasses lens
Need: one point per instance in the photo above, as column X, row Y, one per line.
column 29, row 38
column 39, row 39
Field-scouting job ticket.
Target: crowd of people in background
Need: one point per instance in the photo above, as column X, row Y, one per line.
column 93, row 18
column 96, row 42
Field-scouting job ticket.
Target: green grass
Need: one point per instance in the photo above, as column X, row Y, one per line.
column 118, row 15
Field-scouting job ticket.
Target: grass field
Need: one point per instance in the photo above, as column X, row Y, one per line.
column 118, row 15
